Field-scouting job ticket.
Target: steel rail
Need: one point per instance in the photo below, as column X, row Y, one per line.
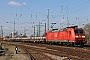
column 31, row 57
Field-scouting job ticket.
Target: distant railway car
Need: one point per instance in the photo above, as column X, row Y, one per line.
column 68, row 36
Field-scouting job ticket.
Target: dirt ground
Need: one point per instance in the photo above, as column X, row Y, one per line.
column 11, row 53
column 88, row 43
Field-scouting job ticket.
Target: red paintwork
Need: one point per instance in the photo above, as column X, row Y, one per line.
column 64, row 35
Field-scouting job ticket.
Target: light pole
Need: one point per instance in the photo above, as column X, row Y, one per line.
column 38, row 29
column 1, row 33
column 34, row 31
column 48, row 19
column 45, row 29
column 14, row 27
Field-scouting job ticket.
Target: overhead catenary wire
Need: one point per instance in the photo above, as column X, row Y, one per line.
column 83, row 4
column 63, row 8
column 80, row 6
column 31, row 9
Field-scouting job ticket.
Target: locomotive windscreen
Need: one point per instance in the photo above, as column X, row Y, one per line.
column 79, row 31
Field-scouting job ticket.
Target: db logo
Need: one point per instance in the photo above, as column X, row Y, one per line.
column 56, row 35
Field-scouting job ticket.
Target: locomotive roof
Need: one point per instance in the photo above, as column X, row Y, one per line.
column 65, row 29
column 72, row 27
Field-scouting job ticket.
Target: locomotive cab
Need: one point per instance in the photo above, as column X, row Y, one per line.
column 79, row 36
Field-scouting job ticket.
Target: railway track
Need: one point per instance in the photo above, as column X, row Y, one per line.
column 29, row 54
column 35, row 54
column 44, row 50
column 72, row 52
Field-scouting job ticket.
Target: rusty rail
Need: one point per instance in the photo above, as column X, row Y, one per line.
column 31, row 57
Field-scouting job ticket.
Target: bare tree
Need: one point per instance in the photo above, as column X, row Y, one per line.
column 87, row 31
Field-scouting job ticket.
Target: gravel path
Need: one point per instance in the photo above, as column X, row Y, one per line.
column 11, row 55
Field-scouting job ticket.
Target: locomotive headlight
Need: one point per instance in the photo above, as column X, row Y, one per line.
column 83, row 36
column 76, row 36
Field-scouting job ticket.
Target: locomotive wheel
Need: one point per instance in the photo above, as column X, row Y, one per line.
column 72, row 44
column 61, row 43
column 81, row 44
column 67, row 44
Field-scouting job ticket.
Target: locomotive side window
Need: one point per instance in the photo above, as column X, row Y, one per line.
column 79, row 31
column 76, row 31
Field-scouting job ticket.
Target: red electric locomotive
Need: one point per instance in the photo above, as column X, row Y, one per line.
column 68, row 36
